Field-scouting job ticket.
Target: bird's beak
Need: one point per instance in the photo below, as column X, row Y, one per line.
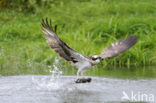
column 101, row 58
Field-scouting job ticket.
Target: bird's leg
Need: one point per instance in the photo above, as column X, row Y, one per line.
column 82, row 80
column 78, row 72
column 81, row 73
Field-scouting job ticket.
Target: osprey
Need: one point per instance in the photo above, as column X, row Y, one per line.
column 77, row 59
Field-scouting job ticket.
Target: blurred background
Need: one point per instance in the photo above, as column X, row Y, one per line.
column 88, row 26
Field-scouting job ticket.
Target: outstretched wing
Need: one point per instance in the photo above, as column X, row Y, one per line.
column 119, row 47
column 58, row 45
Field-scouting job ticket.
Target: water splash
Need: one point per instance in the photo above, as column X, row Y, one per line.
column 54, row 81
column 55, row 71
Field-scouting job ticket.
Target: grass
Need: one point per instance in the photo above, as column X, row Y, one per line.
column 91, row 24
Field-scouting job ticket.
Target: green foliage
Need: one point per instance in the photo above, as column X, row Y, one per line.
column 26, row 5
column 91, row 24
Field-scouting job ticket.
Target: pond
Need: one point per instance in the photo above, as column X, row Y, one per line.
column 114, row 85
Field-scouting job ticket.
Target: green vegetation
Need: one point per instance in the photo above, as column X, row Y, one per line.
column 91, row 24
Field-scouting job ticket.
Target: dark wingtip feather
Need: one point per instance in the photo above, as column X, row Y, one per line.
column 43, row 24
column 48, row 24
column 55, row 28
column 131, row 40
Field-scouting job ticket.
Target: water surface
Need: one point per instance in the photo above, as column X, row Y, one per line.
column 62, row 89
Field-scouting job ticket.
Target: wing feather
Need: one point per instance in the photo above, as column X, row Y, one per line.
column 119, row 47
column 58, row 45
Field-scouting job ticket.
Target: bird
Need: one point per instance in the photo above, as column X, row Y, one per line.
column 82, row 62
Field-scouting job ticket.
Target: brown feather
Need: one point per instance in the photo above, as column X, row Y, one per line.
column 57, row 44
column 119, row 47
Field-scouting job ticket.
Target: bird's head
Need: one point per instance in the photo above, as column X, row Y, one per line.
column 96, row 59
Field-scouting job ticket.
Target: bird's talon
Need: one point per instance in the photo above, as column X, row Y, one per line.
column 83, row 80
